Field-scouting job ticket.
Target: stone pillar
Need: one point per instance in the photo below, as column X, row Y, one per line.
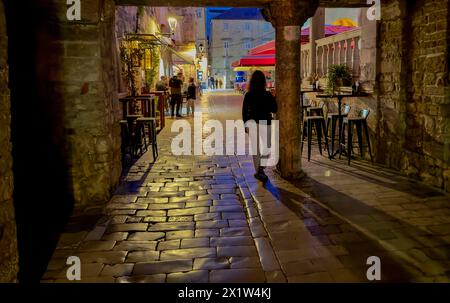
column 342, row 52
column 76, row 91
column 329, row 52
column 393, row 47
column 368, row 51
column 356, row 57
column 316, row 31
column 287, row 16
column 348, row 53
column 86, row 78
column 8, row 235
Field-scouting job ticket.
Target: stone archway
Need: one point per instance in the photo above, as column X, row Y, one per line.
column 65, row 135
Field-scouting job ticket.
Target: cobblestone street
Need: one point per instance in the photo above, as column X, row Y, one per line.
column 207, row 219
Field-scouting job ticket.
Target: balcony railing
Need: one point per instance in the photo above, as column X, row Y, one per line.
column 342, row 48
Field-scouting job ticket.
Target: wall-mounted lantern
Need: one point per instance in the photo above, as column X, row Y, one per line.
column 173, row 22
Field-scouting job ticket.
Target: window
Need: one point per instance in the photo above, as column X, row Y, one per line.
column 247, row 45
column 199, row 13
column 225, row 27
column 247, row 26
column 226, row 44
column 267, row 27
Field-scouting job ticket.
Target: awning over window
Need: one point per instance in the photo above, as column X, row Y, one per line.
column 255, row 60
column 178, row 58
column 252, row 68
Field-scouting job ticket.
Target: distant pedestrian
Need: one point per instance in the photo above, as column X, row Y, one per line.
column 175, row 95
column 213, row 82
column 259, row 104
column 220, row 83
column 161, row 85
column 191, row 97
column 216, row 84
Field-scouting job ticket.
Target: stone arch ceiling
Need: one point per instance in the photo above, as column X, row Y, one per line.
column 236, row 3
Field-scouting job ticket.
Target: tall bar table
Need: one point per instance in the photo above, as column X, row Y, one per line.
column 340, row 118
column 147, row 105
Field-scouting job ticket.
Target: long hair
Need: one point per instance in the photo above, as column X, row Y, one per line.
column 257, row 82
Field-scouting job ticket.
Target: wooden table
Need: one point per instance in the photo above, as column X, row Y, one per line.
column 147, row 105
column 340, row 118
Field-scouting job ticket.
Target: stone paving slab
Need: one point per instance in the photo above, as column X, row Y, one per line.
column 187, row 219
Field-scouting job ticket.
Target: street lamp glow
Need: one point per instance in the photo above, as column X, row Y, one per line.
column 172, row 23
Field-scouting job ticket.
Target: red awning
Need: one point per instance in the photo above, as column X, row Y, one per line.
column 267, row 48
column 255, row 60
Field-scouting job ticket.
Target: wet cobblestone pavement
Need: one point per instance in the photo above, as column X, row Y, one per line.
column 206, row 219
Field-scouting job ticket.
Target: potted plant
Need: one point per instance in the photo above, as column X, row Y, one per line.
column 338, row 76
column 126, row 56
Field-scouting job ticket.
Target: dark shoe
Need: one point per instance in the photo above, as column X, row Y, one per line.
column 261, row 176
column 179, row 116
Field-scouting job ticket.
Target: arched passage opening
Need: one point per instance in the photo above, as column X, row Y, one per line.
column 64, row 133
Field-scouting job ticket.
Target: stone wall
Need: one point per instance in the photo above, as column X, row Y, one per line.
column 428, row 105
column 393, row 51
column 84, row 78
column 414, row 92
column 8, row 243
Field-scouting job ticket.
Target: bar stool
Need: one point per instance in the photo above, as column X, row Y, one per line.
column 306, row 104
column 132, row 132
column 318, row 123
column 360, row 122
column 151, row 130
column 126, row 140
column 333, row 118
column 316, row 110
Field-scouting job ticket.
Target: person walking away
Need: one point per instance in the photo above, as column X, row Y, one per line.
column 259, row 104
column 217, row 84
column 213, row 82
column 191, row 97
column 176, row 98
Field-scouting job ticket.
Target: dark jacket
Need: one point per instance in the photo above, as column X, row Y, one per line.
column 175, row 86
column 192, row 89
column 259, row 106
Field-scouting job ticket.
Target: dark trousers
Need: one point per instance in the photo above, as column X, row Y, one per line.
column 176, row 100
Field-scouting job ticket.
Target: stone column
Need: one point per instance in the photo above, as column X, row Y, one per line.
column 287, row 16
column 368, row 51
column 349, row 53
column 356, row 57
column 79, row 82
column 316, row 31
column 8, row 236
